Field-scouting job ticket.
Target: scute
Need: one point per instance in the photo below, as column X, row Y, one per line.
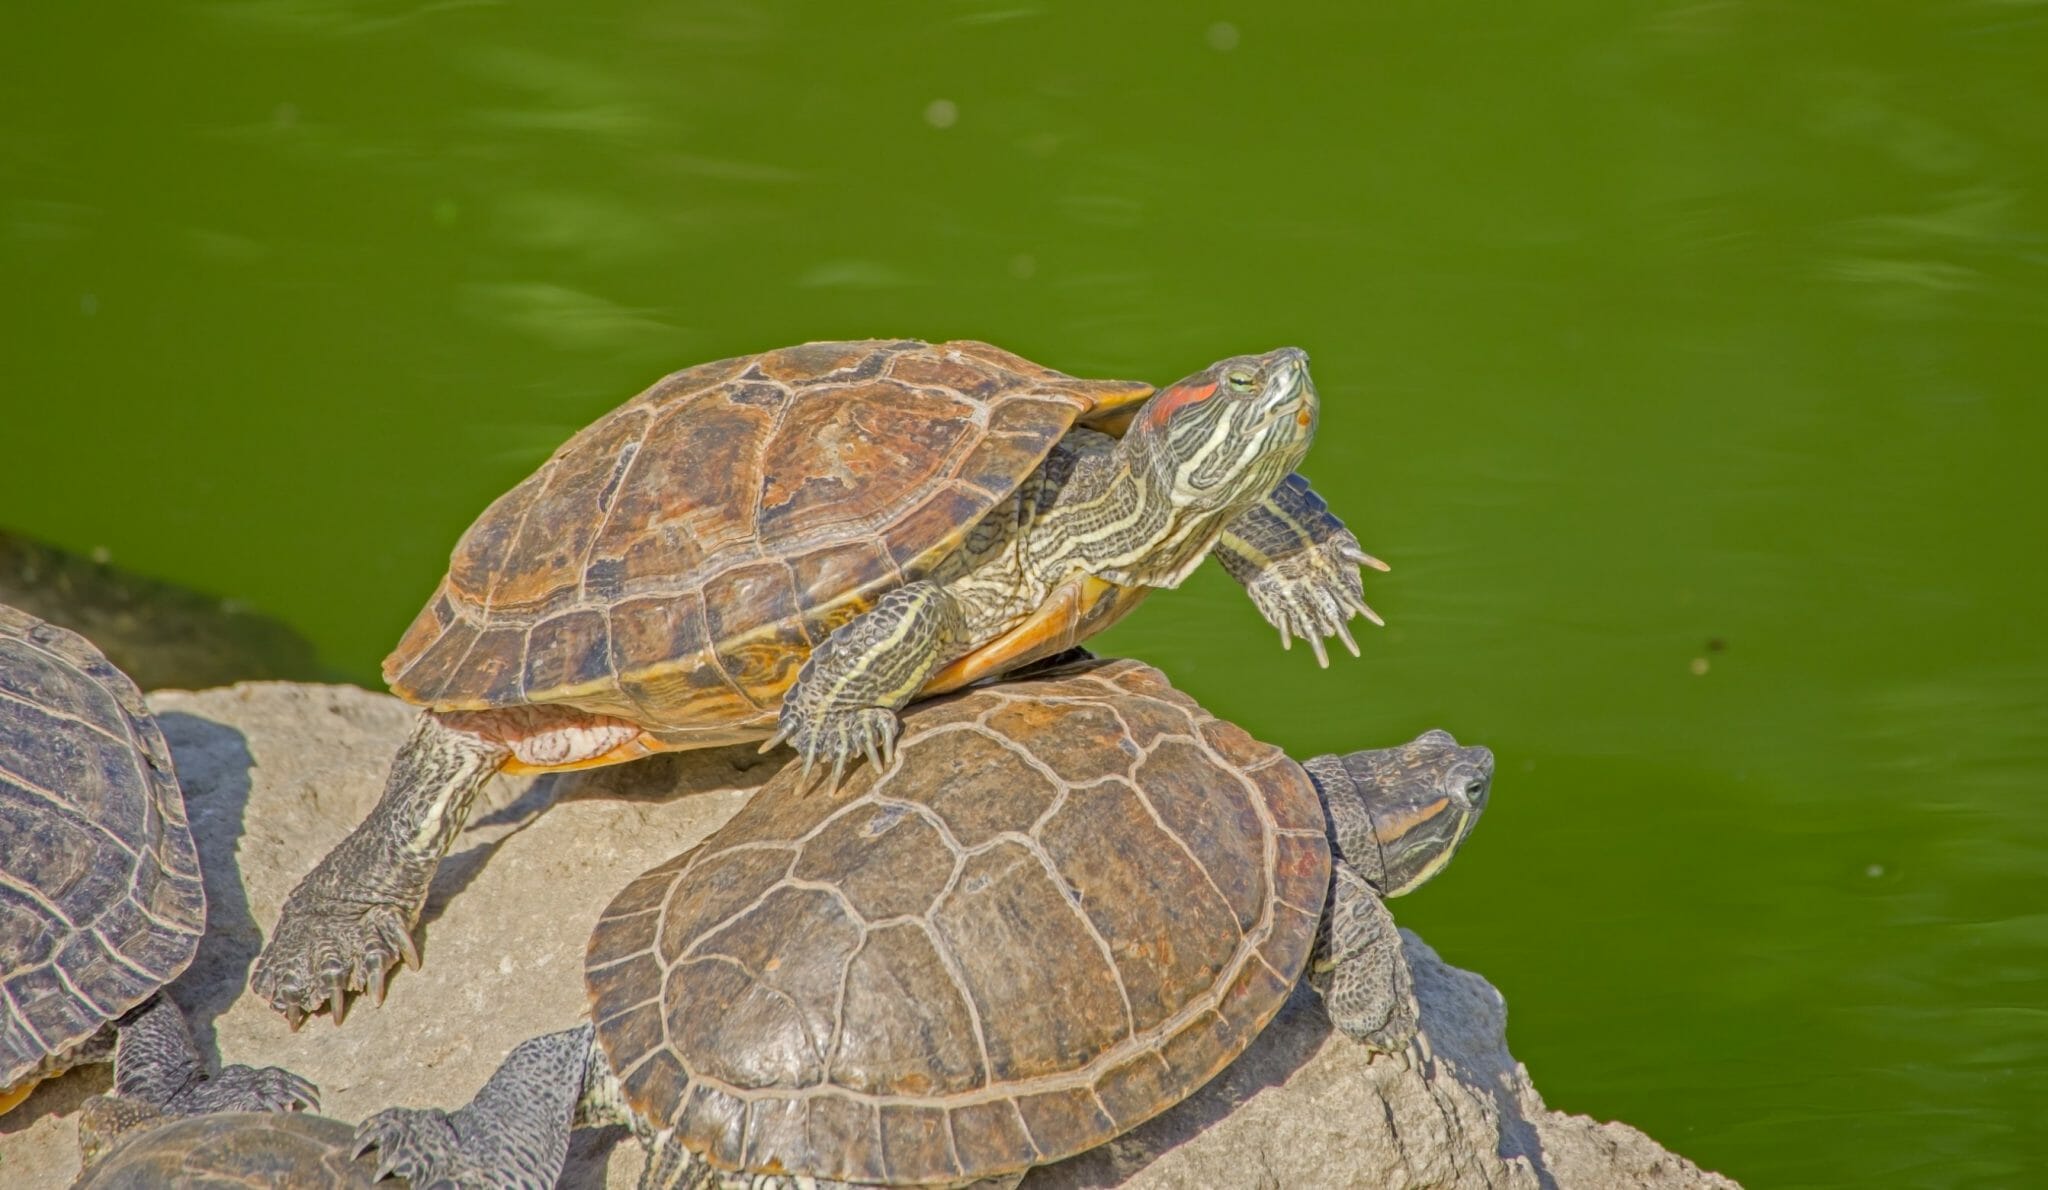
column 239, row 1151
column 1022, row 981
column 760, row 501
column 100, row 898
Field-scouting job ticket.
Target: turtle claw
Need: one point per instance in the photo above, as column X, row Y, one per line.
column 315, row 958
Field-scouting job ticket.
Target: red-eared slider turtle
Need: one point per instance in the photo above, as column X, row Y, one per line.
column 101, row 903
column 1066, row 904
column 799, row 543
column 223, row 1151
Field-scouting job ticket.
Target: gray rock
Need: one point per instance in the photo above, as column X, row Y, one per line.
column 275, row 774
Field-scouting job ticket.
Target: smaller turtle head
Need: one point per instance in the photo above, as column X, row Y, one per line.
column 1398, row 814
column 1226, row 436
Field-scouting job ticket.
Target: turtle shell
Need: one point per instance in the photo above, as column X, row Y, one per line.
column 239, row 1151
column 100, row 897
column 676, row 561
column 1067, row 903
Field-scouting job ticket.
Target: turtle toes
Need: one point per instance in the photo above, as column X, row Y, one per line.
column 837, row 740
column 316, row 957
column 248, row 1088
column 1315, row 593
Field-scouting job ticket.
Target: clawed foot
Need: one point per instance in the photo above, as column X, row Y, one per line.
column 838, row 737
column 317, row 956
column 414, row 1143
column 247, row 1088
column 1314, row 594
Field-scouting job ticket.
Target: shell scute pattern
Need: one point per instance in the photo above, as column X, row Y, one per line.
column 912, row 987
column 100, row 896
column 676, row 560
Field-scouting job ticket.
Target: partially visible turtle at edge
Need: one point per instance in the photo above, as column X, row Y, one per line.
column 1065, row 905
column 101, row 902
column 146, row 1150
column 797, row 544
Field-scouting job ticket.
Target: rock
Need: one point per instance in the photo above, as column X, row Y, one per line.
column 274, row 774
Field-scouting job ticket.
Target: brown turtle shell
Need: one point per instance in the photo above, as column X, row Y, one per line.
column 239, row 1151
column 676, row 561
column 1067, row 903
column 101, row 902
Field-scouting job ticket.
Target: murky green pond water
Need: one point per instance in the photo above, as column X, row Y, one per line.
column 1685, row 358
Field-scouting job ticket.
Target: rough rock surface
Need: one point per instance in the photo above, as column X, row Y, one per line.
column 275, row 774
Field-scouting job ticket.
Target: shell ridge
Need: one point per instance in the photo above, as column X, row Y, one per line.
column 1072, row 897
column 61, row 716
column 725, row 923
column 36, row 898
column 609, row 498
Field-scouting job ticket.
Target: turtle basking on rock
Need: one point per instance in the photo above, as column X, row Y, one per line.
column 101, row 903
column 126, row 1147
column 1064, row 905
column 797, row 544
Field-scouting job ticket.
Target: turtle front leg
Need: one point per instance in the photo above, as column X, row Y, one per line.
column 349, row 923
column 515, row 1133
column 1359, row 969
column 156, row 1063
column 1300, row 565
column 844, row 702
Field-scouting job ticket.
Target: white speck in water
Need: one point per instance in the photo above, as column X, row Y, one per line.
column 1700, row 666
column 1223, row 36
column 1023, row 265
column 1874, row 871
column 941, row 113
column 89, row 304
column 102, row 555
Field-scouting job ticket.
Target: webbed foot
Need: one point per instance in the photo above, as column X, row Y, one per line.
column 1314, row 593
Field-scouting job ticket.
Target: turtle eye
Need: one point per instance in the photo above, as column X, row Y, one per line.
column 1239, row 381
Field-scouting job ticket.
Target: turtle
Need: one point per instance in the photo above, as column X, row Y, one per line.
column 101, row 901
column 1065, row 904
column 794, row 545
column 125, row 1148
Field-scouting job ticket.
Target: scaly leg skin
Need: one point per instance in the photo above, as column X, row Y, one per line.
column 349, row 923
column 843, row 705
column 156, row 1063
column 514, row 1134
column 1359, row 969
column 1300, row 565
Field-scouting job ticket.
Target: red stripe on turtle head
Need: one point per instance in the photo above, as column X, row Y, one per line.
column 1180, row 396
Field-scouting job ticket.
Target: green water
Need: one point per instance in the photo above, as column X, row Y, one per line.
column 1685, row 359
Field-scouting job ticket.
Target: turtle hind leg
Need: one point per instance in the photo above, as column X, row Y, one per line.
column 514, row 1134
column 157, row 1064
column 348, row 924
column 1360, row 971
column 843, row 705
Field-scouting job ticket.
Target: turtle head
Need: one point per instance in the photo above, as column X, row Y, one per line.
column 1398, row 814
column 1226, row 436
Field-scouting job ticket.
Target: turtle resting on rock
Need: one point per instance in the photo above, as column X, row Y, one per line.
column 126, row 1147
column 797, row 544
column 1064, row 905
column 101, row 902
